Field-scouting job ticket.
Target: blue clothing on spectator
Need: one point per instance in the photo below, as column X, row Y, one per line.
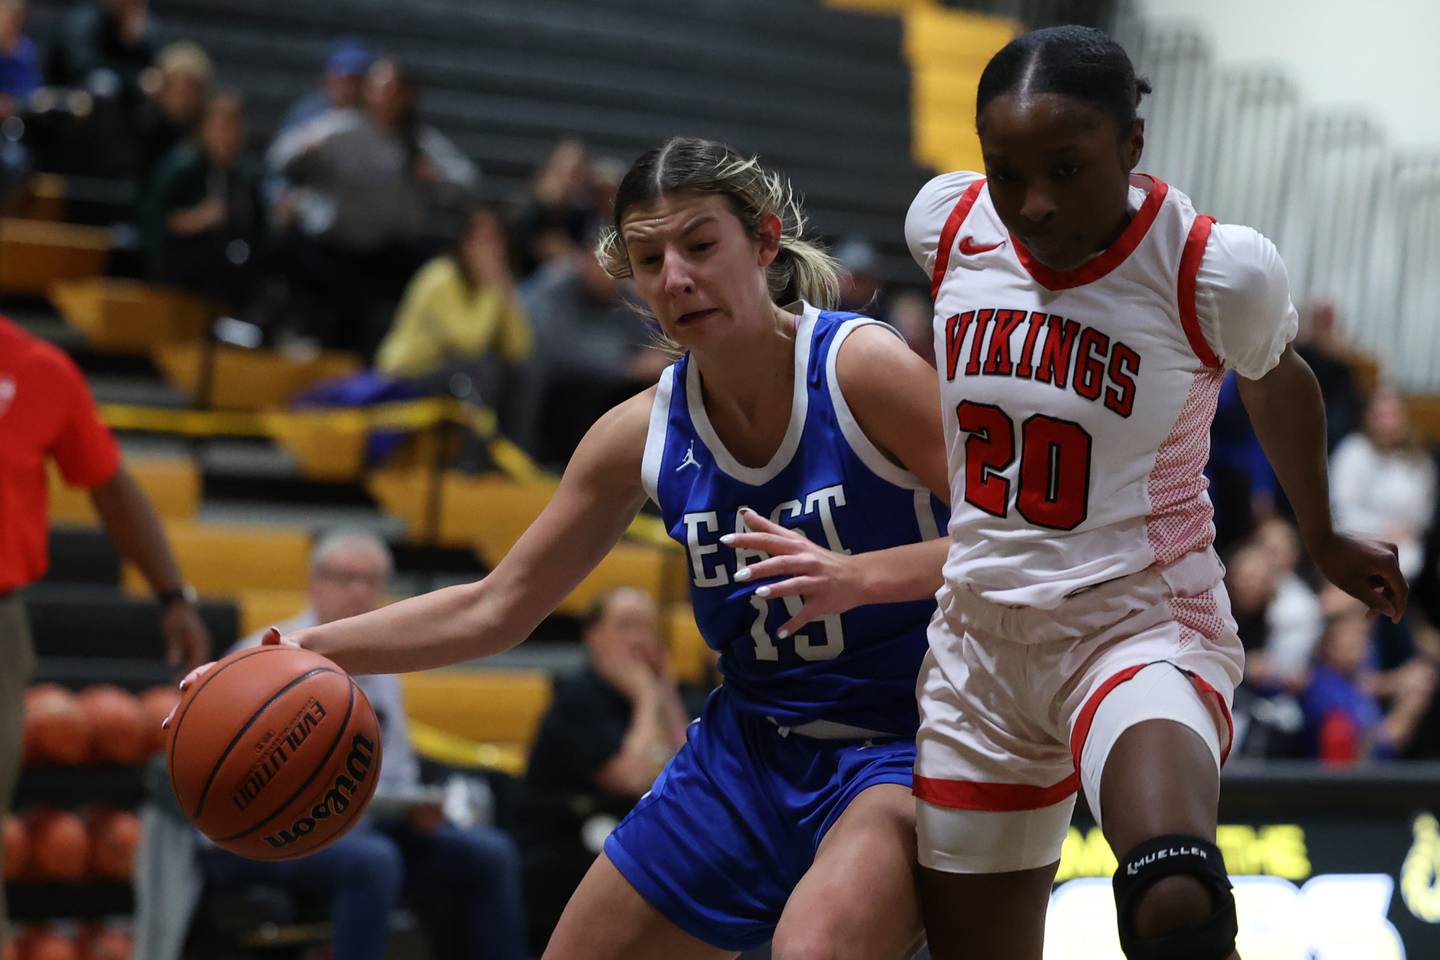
column 20, row 70
column 1331, row 691
column 464, row 883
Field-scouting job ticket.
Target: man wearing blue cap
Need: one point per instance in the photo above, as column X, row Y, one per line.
column 345, row 67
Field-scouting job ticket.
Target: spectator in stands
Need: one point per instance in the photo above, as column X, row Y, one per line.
column 1344, row 716
column 560, row 213
column 607, row 734
column 1250, row 579
column 461, row 314
column 374, row 177
column 341, row 85
column 19, row 79
column 1322, row 344
column 173, row 116
column 1293, row 619
column 592, row 351
column 107, row 47
column 464, row 882
column 912, row 314
column 46, row 412
column 202, row 222
column 1242, row 485
column 19, row 60
column 860, row 288
column 1383, row 481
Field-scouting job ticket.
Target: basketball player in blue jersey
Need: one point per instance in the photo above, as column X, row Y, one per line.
column 792, row 451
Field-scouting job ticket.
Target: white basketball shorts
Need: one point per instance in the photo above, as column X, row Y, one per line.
column 1021, row 706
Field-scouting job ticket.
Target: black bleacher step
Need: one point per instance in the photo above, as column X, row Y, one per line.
column 129, row 389
column 40, row 901
column 111, row 785
column 75, row 621
column 82, row 555
column 127, row 673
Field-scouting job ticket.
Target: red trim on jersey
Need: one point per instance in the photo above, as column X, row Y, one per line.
column 993, row 797
column 1189, row 270
column 1114, row 255
column 1087, row 713
column 1204, row 687
column 947, row 235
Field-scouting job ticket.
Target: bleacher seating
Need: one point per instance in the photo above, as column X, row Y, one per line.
column 171, row 483
column 490, row 706
column 231, row 378
column 126, row 316
column 37, row 254
column 507, row 80
column 224, row 560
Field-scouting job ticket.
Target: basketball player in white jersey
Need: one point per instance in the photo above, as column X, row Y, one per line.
column 1084, row 318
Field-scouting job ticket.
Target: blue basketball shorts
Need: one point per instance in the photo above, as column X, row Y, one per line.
column 734, row 821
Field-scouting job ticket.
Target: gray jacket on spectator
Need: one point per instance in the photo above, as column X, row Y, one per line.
column 358, row 186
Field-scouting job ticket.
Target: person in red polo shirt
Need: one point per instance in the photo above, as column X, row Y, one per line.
column 46, row 412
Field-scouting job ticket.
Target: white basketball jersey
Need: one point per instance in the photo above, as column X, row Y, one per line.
column 1077, row 404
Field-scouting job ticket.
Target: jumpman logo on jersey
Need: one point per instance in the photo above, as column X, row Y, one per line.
column 689, row 460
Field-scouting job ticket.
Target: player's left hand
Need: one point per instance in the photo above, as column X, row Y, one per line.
column 1366, row 569
column 826, row 582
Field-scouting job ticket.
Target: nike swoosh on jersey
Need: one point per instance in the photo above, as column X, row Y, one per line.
column 969, row 248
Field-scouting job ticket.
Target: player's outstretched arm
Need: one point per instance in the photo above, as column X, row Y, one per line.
column 598, row 496
column 1288, row 414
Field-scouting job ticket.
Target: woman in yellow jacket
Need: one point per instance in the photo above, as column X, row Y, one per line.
column 460, row 311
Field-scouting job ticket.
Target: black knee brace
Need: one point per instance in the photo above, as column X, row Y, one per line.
column 1153, row 860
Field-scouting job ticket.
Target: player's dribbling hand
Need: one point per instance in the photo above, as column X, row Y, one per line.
column 271, row 638
column 827, row 582
column 1367, row 570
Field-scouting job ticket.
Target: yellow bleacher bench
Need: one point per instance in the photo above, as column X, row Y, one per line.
column 689, row 656
column 247, row 379
column 127, row 316
column 171, row 483
column 225, row 560
column 488, row 705
column 37, row 254
column 44, row 197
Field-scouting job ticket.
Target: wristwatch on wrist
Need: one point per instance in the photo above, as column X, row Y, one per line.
column 181, row 594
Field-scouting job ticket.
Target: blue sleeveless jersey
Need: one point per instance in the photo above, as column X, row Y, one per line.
column 826, row 479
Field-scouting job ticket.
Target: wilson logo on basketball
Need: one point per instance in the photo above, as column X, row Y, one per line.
column 336, row 798
column 284, row 748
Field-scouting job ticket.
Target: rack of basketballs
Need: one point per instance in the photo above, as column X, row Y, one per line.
column 70, row 842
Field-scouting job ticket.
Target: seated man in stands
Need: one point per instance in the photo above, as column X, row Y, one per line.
column 465, row 881
column 607, row 734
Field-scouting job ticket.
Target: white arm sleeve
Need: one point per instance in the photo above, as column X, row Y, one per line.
column 1242, row 299
column 928, row 213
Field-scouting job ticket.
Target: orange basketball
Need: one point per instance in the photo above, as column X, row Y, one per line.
column 17, row 848
column 114, row 835
column 120, row 734
column 59, row 845
column 42, row 943
column 274, row 753
column 56, row 729
column 156, row 703
column 99, row 942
